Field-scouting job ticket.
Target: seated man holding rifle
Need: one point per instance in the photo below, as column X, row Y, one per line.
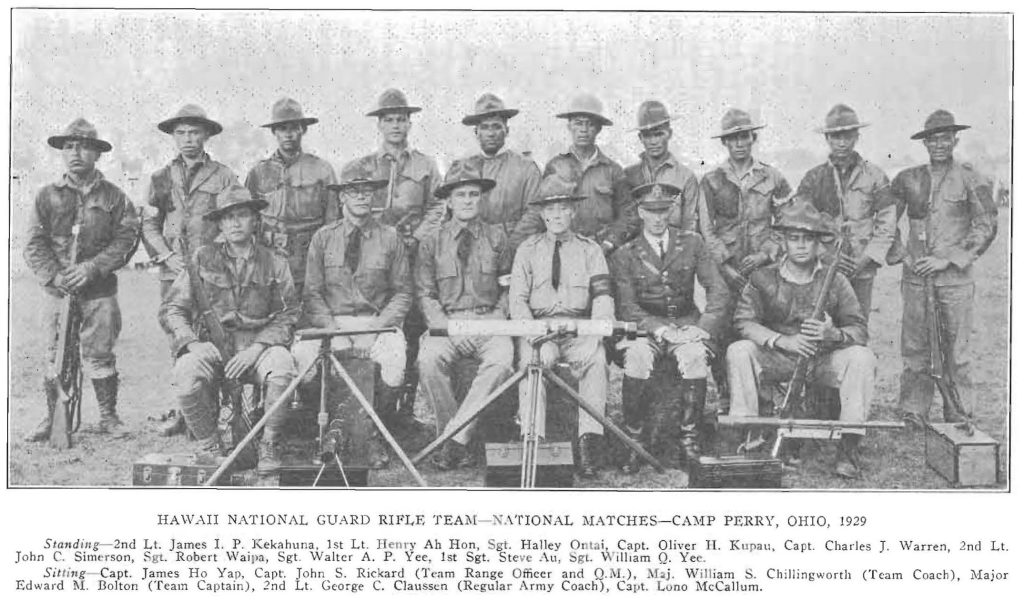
column 459, row 270
column 357, row 277
column 775, row 319
column 561, row 276
column 654, row 276
column 230, row 315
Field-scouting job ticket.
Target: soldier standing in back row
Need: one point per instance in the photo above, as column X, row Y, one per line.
column 108, row 237
column 659, row 166
column 180, row 193
column 654, row 279
column 607, row 213
column 517, row 177
column 294, row 185
column 409, row 205
column 856, row 194
column 951, row 222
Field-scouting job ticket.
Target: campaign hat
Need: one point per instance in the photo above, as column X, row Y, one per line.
column 232, row 197
column 586, row 104
column 939, row 121
column 288, row 110
column 392, row 100
column 193, row 114
column 80, row 130
column 488, row 105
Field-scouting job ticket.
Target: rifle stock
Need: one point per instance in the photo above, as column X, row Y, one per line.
column 63, row 376
column 941, row 372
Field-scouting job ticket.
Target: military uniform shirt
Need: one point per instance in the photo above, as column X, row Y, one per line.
column 298, row 201
column 531, row 294
column 517, row 182
column 741, row 208
column 688, row 212
column 109, row 233
column 381, row 285
column 412, row 178
column 444, row 285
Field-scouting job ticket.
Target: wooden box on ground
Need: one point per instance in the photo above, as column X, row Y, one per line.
column 505, row 463
column 177, row 470
column 963, row 460
column 736, row 472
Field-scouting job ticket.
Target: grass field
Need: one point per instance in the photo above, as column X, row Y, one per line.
column 894, row 459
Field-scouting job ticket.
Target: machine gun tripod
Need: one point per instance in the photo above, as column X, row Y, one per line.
column 329, row 438
column 540, row 332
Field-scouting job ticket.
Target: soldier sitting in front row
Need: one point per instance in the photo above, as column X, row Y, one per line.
column 251, row 293
column 774, row 319
column 559, row 275
column 654, row 277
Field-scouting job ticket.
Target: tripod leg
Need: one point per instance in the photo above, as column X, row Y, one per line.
column 528, row 477
column 267, row 414
column 454, row 427
column 376, row 420
column 608, row 424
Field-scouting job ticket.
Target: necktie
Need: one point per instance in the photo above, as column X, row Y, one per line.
column 353, row 250
column 465, row 240
column 556, row 265
column 661, row 249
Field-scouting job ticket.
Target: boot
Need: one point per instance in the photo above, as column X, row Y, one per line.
column 106, row 398
column 848, row 457
column 42, row 430
column 588, row 455
column 691, row 403
column 211, row 446
column 453, row 455
column 269, row 455
column 634, row 404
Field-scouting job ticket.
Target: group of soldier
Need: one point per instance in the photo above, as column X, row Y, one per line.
column 392, row 244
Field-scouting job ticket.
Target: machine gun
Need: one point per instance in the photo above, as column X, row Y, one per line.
column 65, row 377
column 235, row 421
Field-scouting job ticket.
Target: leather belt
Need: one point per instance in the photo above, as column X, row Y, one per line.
column 478, row 310
column 665, row 309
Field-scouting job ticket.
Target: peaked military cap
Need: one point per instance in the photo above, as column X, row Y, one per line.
column 80, row 130
column 488, row 105
column 656, row 196
column 841, row 118
column 939, row 121
column 586, row 104
column 392, row 100
column 287, row 110
column 460, row 174
column 555, row 189
column 736, row 121
column 357, row 175
column 232, row 197
column 193, row 114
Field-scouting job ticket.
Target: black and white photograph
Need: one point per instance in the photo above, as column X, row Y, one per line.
column 472, row 250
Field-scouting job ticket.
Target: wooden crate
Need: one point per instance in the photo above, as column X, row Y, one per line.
column 964, row 461
column 177, row 470
column 505, row 463
column 736, row 472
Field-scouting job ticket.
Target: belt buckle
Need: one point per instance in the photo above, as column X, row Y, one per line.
column 672, row 311
column 482, row 309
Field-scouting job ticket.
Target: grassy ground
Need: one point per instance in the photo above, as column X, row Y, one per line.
column 894, row 460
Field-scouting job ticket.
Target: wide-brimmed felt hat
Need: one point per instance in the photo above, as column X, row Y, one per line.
column 392, row 100
column 460, row 174
column 656, row 196
column 800, row 214
column 288, row 110
column 80, row 130
column 353, row 176
column 586, row 104
column 939, row 121
column 651, row 114
column 488, row 105
column 232, row 197
column 737, row 121
column 841, row 118
column 555, row 189
column 193, row 114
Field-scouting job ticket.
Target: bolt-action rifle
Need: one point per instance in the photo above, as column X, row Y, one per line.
column 65, row 377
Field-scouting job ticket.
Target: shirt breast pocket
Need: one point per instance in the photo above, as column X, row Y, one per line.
column 218, row 288
column 98, row 219
column 447, row 273
column 372, row 276
column 955, row 203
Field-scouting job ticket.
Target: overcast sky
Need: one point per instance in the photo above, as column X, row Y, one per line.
column 127, row 70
